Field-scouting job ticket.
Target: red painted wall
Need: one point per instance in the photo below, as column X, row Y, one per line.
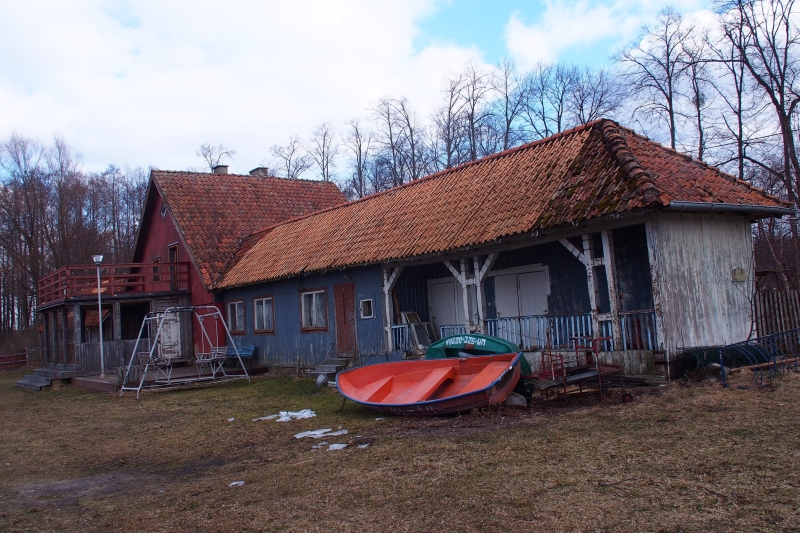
column 158, row 234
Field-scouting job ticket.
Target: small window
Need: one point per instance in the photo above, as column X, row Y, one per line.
column 236, row 316
column 313, row 315
column 366, row 309
column 163, row 210
column 264, row 316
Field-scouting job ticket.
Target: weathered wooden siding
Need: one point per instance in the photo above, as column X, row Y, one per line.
column 692, row 260
column 288, row 345
column 157, row 235
column 115, row 353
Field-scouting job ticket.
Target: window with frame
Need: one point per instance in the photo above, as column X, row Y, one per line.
column 236, row 316
column 263, row 311
column 366, row 309
column 313, row 313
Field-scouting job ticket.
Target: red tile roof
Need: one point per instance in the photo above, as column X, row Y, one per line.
column 214, row 212
column 588, row 172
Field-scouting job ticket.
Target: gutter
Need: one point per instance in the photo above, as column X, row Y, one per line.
column 731, row 208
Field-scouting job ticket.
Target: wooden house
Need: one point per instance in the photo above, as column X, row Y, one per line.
column 594, row 231
column 191, row 226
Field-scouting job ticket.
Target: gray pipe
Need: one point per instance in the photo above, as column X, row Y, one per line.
column 731, row 208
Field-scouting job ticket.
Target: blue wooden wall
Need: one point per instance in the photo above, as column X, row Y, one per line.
column 289, row 342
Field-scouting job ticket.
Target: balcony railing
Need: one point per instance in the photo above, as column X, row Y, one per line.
column 124, row 279
column 558, row 331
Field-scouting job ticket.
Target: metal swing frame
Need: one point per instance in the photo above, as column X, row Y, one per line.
column 213, row 359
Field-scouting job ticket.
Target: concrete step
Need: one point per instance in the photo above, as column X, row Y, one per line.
column 33, row 382
column 326, row 369
column 44, row 372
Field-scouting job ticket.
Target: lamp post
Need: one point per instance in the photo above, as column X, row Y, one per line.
column 97, row 260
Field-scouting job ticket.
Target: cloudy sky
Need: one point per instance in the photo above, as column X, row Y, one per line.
column 144, row 82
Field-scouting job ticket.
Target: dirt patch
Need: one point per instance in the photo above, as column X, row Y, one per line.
column 70, row 492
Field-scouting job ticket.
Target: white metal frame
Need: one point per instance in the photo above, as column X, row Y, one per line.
column 212, row 359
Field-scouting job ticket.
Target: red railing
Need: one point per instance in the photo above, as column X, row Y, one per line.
column 123, row 279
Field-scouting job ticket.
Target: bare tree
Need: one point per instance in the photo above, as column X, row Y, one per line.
column 358, row 144
column 415, row 156
column 594, row 95
column 214, row 155
column 449, row 143
column 654, row 69
column 390, row 138
column 290, row 158
column 549, row 89
column 509, row 104
column 476, row 92
column 738, row 103
column 696, row 60
column 766, row 39
column 323, row 150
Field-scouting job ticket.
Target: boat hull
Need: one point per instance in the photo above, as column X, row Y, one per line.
column 353, row 384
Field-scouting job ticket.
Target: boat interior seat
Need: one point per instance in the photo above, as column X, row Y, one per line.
column 378, row 390
column 485, row 377
column 429, row 385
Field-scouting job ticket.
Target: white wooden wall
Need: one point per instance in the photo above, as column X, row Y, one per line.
column 692, row 258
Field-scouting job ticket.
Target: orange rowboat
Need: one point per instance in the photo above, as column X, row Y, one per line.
column 432, row 387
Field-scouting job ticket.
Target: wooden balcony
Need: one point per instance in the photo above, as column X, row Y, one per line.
column 117, row 281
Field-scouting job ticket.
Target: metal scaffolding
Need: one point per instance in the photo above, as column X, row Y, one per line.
column 154, row 360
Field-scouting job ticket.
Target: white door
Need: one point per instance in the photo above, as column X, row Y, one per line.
column 533, row 290
column 506, row 296
column 522, row 293
column 443, row 304
column 446, row 302
column 169, row 340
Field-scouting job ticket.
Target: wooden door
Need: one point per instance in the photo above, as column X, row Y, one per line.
column 344, row 299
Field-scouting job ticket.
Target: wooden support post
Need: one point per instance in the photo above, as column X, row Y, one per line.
column 588, row 253
column 390, row 277
column 480, row 274
column 613, row 294
column 479, row 294
column 117, row 318
column 467, row 317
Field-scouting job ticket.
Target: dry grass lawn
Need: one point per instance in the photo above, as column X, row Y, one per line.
column 680, row 458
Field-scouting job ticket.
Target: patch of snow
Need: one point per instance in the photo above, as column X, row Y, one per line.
column 286, row 416
column 334, row 447
column 236, row 484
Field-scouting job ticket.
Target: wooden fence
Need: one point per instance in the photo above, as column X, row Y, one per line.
column 776, row 311
column 14, row 360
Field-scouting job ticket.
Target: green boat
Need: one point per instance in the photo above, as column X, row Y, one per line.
column 472, row 344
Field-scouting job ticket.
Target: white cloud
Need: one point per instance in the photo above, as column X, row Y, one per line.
column 148, row 82
column 582, row 24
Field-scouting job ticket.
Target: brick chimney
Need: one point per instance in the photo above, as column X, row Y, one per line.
column 220, row 169
column 260, row 171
